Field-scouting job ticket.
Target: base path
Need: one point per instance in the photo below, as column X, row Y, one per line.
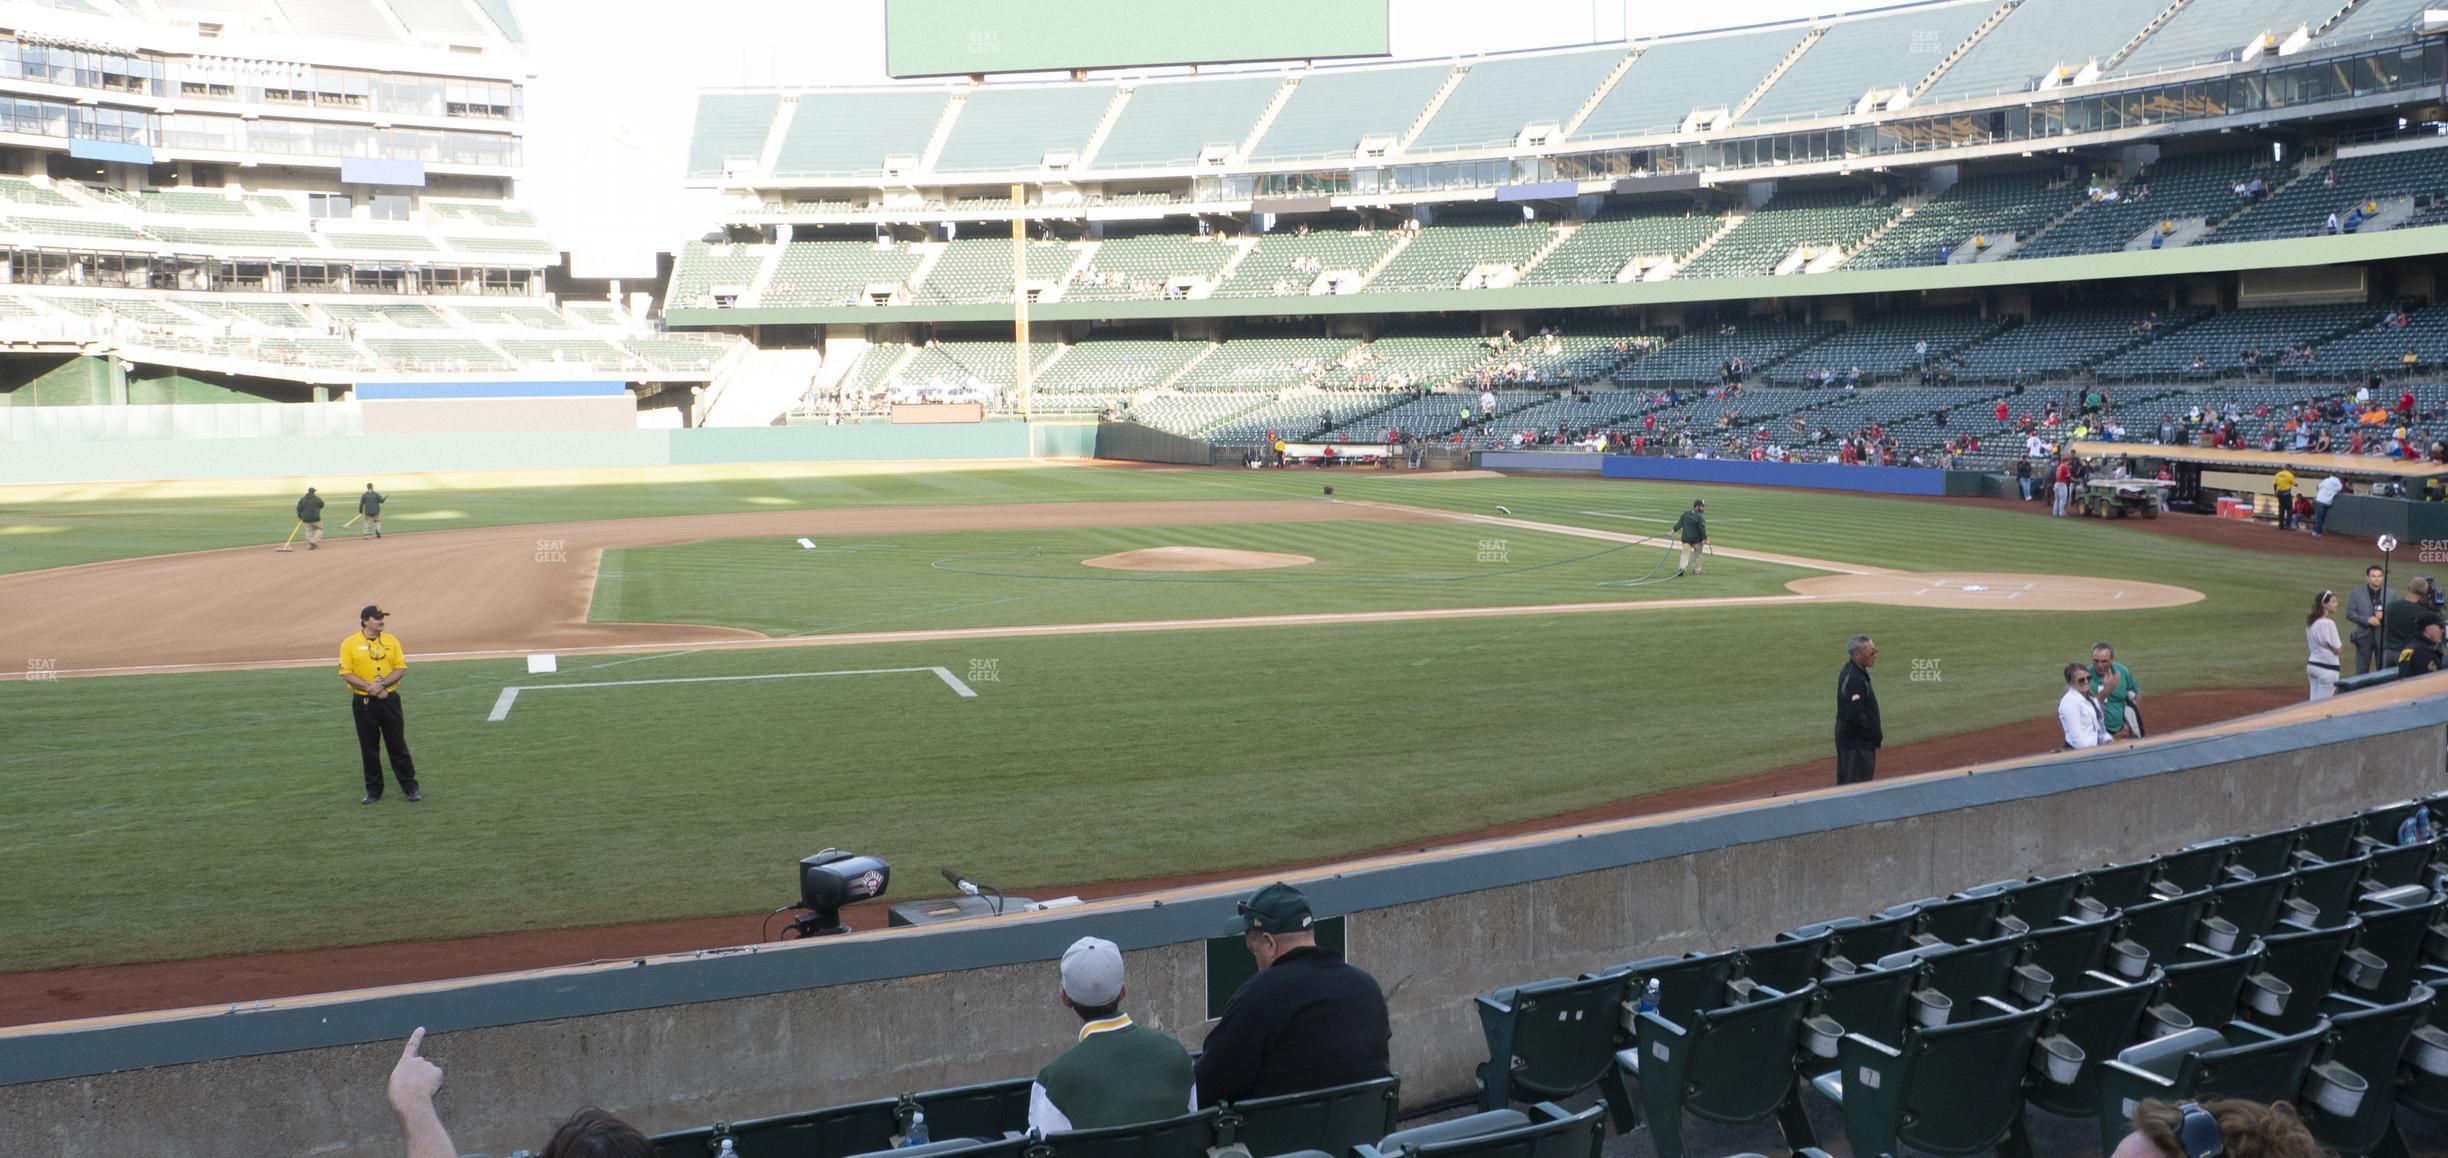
column 1990, row 591
column 61, row 994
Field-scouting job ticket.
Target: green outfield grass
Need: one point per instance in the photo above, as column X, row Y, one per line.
column 974, row 579
column 166, row 817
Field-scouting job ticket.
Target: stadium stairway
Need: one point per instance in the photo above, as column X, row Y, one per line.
column 758, row 387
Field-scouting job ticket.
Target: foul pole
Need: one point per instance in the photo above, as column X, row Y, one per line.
column 1020, row 321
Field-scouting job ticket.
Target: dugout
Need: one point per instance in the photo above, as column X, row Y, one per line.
column 2204, row 473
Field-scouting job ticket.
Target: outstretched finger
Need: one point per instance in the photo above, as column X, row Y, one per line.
column 414, row 1040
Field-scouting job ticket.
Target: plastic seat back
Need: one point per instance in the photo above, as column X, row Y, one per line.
column 2071, row 951
column 2370, row 1042
column 1787, row 964
column 1956, row 1089
column 2209, row 991
column 2193, row 869
column 2267, row 854
column 1686, row 985
column 2397, row 936
column 985, row 1110
column 1742, row 1058
column 1559, row 1135
column 1955, row 920
column 2327, row 840
column 1550, row 1039
column 2163, row 928
column 1187, row 1136
column 2331, row 889
column 2119, row 886
column 2042, row 901
column 2103, row 1022
column 2306, row 963
column 1871, row 1003
column 2399, row 865
column 1011, row 1147
column 850, row 1129
column 1864, row 940
column 1967, row 973
column 2250, row 907
column 1333, row 1120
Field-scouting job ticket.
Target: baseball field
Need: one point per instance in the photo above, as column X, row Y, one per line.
column 1052, row 676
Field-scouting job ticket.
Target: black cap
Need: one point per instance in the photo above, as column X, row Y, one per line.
column 1699, row 503
column 372, row 612
column 2428, row 619
column 1277, row 908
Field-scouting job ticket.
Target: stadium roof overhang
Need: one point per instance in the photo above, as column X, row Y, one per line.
column 2286, row 253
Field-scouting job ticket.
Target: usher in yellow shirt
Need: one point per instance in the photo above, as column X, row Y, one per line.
column 370, row 659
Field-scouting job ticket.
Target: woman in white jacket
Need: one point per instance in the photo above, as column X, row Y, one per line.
column 2321, row 645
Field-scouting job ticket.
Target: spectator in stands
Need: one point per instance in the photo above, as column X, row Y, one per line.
column 589, row 1133
column 1307, row 1021
column 2224, row 1126
column 1118, row 1072
column 2078, row 715
column 2423, row 654
column 1858, row 733
column 2321, row 646
column 2330, row 488
column 2119, row 694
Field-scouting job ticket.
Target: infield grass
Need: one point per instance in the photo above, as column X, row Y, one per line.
column 177, row 816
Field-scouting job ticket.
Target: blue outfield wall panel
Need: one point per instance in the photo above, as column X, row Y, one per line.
column 404, row 391
column 1884, row 480
column 121, row 152
column 240, row 1031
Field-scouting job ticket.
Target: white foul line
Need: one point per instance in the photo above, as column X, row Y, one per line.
column 509, row 695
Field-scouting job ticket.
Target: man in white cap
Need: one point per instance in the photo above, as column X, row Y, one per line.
column 1119, row 1073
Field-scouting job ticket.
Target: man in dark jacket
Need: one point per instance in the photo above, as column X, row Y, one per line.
column 2363, row 607
column 1693, row 527
column 1857, row 714
column 1307, row 1021
column 310, row 513
column 2401, row 622
column 369, row 504
column 2423, row 655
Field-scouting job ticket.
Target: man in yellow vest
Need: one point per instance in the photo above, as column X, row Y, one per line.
column 2284, row 485
column 372, row 664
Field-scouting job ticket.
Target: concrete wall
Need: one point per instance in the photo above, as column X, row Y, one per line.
column 107, row 459
column 683, row 1042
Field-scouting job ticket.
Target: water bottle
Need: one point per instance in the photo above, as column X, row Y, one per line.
column 727, row 1151
column 1649, row 998
column 917, row 1131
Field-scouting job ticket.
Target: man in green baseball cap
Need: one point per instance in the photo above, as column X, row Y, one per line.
column 1309, row 1019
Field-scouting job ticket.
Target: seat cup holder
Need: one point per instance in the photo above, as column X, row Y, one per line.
column 2267, row 995
column 2167, row 1019
column 2033, row 983
column 1821, row 1033
column 2430, row 1052
column 2131, row 960
column 1931, row 1009
column 2058, row 1059
column 2220, row 934
column 2336, row 1089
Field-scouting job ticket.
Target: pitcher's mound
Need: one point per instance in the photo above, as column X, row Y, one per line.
column 1196, row 559
column 1997, row 592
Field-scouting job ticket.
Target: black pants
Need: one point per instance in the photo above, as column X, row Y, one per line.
column 2367, row 655
column 383, row 718
column 1856, row 765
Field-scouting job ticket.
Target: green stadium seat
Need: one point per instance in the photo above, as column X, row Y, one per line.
column 2209, row 991
column 2328, row 840
column 1555, row 1039
column 2039, row 902
column 1860, row 942
column 2240, row 1062
column 2395, row 946
column 2194, row 869
column 1550, row 1132
column 2325, row 894
column 2117, row 886
column 849, row 1129
column 1965, row 974
column 1732, row 1066
column 1187, row 1136
column 1953, row 1089
column 1011, row 1147
column 1870, row 1003
column 2268, row 854
column 1955, row 920
column 2304, row 963
column 1788, row 963
column 2075, row 954
column 2246, row 909
column 2101, row 1022
column 1686, row 985
column 985, row 1110
column 2396, row 866
column 2370, row 1041
column 1334, row 1119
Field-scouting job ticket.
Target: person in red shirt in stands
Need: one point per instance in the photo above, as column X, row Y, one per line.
column 2001, row 412
column 2405, row 404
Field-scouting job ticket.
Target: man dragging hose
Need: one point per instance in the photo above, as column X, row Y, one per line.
column 1693, row 526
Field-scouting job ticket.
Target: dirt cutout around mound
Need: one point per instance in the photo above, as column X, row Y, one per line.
column 1196, row 559
column 1997, row 591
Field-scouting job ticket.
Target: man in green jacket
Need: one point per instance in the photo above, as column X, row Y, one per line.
column 310, row 513
column 1118, row 1073
column 1693, row 527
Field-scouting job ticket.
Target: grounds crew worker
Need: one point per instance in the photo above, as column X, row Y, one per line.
column 2284, row 484
column 372, row 664
column 1693, row 526
column 310, row 512
column 370, row 504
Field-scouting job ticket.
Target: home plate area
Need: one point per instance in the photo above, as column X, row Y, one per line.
column 1997, row 591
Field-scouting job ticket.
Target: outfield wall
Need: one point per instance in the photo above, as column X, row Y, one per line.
column 168, row 448
column 684, row 1041
column 1884, row 480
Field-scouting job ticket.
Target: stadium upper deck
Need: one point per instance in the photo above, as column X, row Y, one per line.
column 1861, row 89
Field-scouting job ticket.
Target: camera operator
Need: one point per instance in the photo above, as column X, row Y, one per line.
column 2400, row 623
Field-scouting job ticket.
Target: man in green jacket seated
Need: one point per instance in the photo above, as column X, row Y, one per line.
column 1118, row 1073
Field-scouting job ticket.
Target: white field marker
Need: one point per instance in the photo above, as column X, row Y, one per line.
column 509, row 695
